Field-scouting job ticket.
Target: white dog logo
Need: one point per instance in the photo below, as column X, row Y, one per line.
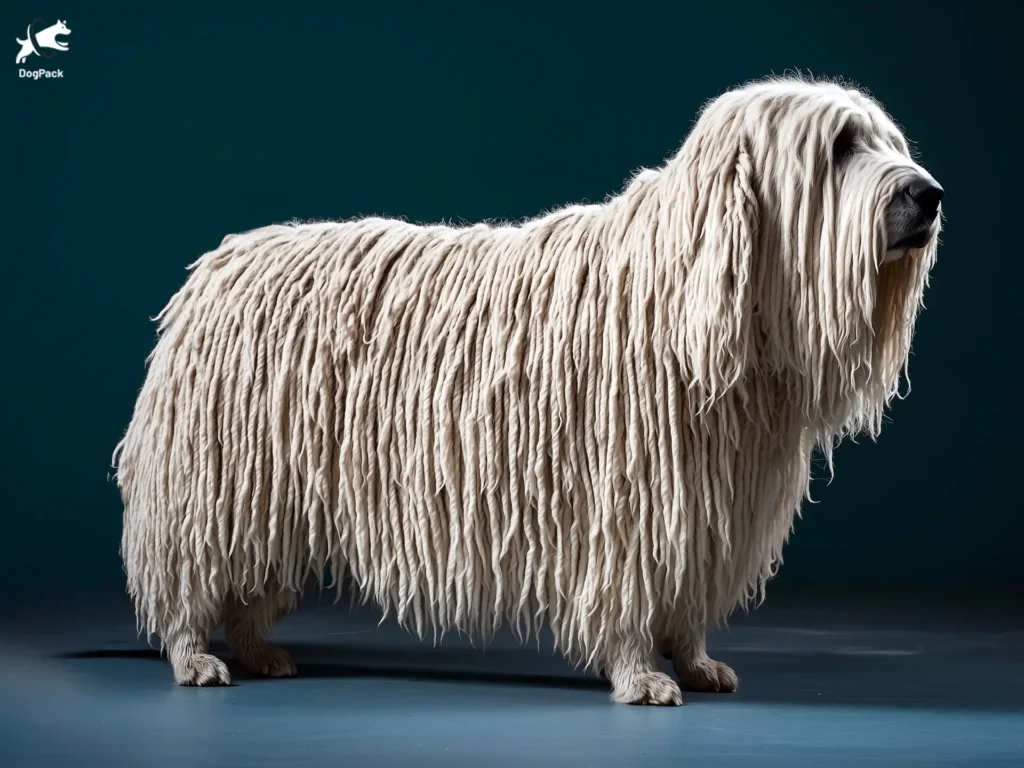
column 37, row 42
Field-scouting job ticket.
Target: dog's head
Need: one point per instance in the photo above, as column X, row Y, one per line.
column 812, row 232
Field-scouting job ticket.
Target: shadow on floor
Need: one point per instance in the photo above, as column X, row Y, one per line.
column 435, row 664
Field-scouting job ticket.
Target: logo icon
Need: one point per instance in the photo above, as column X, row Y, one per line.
column 42, row 42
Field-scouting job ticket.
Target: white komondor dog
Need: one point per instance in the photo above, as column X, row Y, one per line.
column 600, row 420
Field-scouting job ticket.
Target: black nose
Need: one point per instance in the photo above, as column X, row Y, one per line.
column 927, row 195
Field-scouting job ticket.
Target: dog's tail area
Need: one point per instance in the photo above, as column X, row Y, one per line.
column 20, row 41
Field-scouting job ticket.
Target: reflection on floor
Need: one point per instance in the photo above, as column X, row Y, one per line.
column 827, row 680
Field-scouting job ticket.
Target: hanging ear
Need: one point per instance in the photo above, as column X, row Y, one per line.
column 719, row 286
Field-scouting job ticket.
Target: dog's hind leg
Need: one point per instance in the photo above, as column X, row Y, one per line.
column 695, row 669
column 188, row 650
column 636, row 679
column 247, row 625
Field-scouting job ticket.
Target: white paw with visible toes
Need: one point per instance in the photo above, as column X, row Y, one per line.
column 202, row 669
column 655, row 688
column 271, row 661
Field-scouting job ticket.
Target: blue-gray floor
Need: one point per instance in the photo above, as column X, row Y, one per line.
column 826, row 681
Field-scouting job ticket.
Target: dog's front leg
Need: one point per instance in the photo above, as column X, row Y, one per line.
column 695, row 669
column 635, row 676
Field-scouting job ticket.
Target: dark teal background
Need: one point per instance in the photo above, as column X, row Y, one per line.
column 173, row 126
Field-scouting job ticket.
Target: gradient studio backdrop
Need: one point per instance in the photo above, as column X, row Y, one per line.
column 173, row 127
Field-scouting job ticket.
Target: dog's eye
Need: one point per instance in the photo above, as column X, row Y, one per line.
column 843, row 145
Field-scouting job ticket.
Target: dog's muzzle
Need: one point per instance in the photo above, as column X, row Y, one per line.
column 912, row 215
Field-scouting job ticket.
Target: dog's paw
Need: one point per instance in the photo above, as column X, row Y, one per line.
column 707, row 676
column 655, row 688
column 270, row 661
column 202, row 669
